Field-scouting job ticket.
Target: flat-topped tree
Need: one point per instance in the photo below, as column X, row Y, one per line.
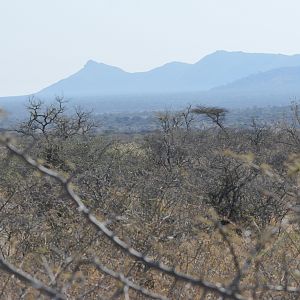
column 216, row 114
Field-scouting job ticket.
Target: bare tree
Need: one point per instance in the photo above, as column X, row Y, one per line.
column 50, row 125
column 52, row 120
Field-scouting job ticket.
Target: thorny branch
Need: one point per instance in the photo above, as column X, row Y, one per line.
column 122, row 278
column 27, row 278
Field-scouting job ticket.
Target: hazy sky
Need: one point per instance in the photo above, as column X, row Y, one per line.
column 42, row 41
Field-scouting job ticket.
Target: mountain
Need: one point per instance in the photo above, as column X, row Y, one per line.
column 227, row 79
column 271, row 88
column 282, row 80
column 219, row 68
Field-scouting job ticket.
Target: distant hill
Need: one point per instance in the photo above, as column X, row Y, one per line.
column 275, row 87
column 219, row 68
column 282, row 80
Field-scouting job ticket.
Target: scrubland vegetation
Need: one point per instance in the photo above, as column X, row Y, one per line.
column 183, row 212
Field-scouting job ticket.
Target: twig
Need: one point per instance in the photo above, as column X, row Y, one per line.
column 121, row 277
column 25, row 277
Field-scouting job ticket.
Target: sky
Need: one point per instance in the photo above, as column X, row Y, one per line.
column 43, row 41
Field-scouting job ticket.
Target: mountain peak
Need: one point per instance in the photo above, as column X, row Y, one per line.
column 221, row 51
column 226, row 52
column 91, row 63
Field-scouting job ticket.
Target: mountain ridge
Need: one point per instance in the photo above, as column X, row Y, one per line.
column 232, row 80
column 216, row 69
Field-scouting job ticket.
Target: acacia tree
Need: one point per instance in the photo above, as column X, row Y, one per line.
column 215, row 114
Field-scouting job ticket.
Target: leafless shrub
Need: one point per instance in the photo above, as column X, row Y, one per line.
column 178, row 214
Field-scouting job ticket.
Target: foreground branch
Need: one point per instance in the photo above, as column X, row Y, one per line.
column 27, row 278
column 122, row 278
